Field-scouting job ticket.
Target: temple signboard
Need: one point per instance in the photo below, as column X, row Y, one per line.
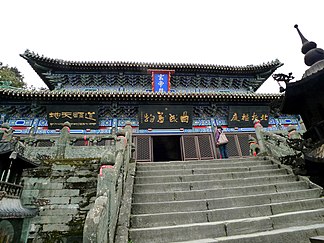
column 165, row 117
column 80, row 117
column 161, row 80
column 244, row 116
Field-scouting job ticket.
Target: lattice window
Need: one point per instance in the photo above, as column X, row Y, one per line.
column 189, row 148
column 143, row 148
column 44, row 143
column 205, row 146
column 232, row 149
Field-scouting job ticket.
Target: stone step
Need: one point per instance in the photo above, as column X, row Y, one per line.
column 202, row 171
column 225, row 202
column 212, row 184
column 209, row 177
column 245, row 229
column 223, row 214
column 218, row 200
column 300, row 234
column 219, row 193
column 179, row 165
column 317, row 239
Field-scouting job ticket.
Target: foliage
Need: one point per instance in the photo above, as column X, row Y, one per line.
column 11, row 76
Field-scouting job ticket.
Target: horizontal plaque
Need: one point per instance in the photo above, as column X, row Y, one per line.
column 244, row 116
column 79, row 116
column 165, row 117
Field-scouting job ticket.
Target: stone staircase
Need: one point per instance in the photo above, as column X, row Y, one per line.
column 234, row 200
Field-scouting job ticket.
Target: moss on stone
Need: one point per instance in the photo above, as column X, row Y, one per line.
column 76, row 226
column 60, row 237
column 52, row 237
column 39, row 172
column 88, row 196
column 72, row 161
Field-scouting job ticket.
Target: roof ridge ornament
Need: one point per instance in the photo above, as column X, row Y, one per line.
column 309, row 48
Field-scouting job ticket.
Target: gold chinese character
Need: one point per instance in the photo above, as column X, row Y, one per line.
column 56, row 115
column 78, row 114
column 235, row 117
column 152, row 118
column 264, row 117
column 160, row 117
column 254, row 117
column 172, row 118
column 146, row 117
column 89, row 115
column 184, row 117
column 66, row 114
column 245, row 117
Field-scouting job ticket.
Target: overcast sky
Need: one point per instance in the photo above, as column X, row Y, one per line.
column 231, row 32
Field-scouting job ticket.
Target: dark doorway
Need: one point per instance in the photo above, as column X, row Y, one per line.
column 166, row 148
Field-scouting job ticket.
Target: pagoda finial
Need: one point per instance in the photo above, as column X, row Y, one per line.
column 312, row 54
column 302, row 37
column 307, row 45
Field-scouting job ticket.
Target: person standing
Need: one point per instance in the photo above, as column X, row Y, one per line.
column 221, row 142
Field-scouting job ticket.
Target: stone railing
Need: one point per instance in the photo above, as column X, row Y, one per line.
column 279, row 147
column 66, row 146
column 62, row 146
column 101, row 221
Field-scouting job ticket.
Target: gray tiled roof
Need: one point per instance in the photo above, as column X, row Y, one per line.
column 12, row 208
column 47, row 62
column 75, row 95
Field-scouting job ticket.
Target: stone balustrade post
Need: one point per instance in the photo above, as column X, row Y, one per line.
column 258, row 128
column 63, row 141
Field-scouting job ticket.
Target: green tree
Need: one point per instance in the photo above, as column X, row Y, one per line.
column 13, row 75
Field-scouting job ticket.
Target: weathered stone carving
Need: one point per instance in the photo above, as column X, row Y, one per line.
column 254, row 146
column 63, row 140
column 280, row 147
column 6, row 132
